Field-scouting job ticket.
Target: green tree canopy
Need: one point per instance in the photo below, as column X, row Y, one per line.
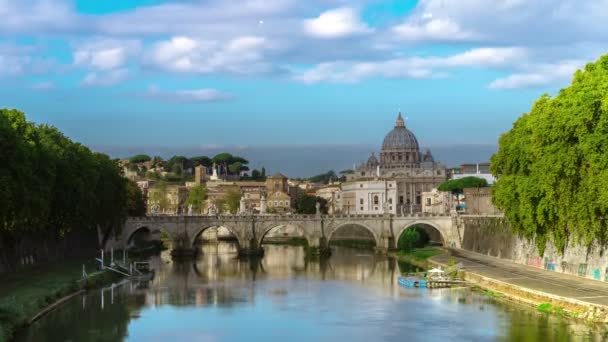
column 324, row 177
column 140, row 158
column 177, row 164
column 457, row 185
column 230, row 164
column 552, row 166
column 52, row 185
column 307, row 204
column 230, row 202
column 136, row 206
column 158, row 195
column 201, row 160
column 196, row 198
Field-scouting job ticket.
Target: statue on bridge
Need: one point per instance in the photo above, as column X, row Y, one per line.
column 242, row 205
column 318, row 208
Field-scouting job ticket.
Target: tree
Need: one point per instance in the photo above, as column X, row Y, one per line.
column 307, row 204
column 136, row 206
column 201, row 160
column 552, row 166
column 456, row 186
column 413, row 237
column 324, row 178
column 182, row 162
column 230, row 201
column 196, row 198
column 140, row 158
column 235, row 168
column 223, row 160
column 52, row 186
column 158, row 196
column 177, row 169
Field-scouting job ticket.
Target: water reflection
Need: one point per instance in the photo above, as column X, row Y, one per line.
column 353, row 296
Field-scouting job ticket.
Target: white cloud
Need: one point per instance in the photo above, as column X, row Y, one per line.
column 105, row 78
column 433, row 29
column 540, row 22
column 38, row 16
column 538, row 76
column 194, row 95
column 411, row 67
column 105, row 54
column 336, row 23
column 241, row 55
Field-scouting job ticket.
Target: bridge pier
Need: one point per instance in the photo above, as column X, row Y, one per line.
column 251, row 248
column 182, row 248
column 318, row 247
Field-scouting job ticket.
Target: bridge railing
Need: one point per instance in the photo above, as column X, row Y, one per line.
column 288, row 217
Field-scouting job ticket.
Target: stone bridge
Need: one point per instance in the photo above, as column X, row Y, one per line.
column 317, row 229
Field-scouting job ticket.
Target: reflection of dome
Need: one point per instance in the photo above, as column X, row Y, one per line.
column 400, row 138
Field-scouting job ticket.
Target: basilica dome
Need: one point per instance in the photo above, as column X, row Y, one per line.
column 400, row 138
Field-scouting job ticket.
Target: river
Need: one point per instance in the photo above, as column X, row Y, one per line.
column 352, row 296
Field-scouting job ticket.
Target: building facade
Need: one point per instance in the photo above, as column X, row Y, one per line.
column 402, row 162
column 372, row 196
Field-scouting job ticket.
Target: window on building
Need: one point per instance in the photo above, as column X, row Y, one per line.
column 360, row 185
column 408, row 202
column 418, row 200
column 400, row 199
column 361, row 201
column 361, row 208
column 428, row 201
column 390, row 201
column 376, row 200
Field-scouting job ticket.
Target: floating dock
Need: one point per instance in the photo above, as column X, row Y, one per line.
column 414, row 282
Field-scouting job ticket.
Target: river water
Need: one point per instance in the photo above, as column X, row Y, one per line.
column 352, row 296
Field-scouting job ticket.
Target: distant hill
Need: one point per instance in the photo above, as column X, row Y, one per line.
column 306, row 161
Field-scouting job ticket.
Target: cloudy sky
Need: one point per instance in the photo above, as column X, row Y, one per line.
column 214, row 73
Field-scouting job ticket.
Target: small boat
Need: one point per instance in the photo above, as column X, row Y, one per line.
column 412, row 282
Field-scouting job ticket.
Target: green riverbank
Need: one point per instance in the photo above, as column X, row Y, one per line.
column 26, row 293
column 417, row 256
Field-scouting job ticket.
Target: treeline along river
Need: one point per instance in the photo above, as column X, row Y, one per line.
column 352, row 296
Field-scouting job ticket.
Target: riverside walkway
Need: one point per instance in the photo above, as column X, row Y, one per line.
column 554, row 285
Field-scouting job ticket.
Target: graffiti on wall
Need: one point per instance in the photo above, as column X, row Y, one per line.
column 549, row 265
column 582, row 270
column 535, row 261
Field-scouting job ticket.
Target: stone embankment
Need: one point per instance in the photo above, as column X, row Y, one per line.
column 581, row 298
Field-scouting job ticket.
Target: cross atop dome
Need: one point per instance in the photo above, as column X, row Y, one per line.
column 400, row 122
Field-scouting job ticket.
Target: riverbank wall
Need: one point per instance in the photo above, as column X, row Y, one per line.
column 492, row 236
column 573, row 307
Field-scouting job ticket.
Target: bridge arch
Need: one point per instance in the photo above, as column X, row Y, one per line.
column 200, row 230
column 300, row 232
column 149, row 229
column 434, row 232
column 346, row 225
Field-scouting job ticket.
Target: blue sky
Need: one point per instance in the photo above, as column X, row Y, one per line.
column 213, row 73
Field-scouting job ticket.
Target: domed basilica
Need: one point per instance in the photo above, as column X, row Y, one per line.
column 394, row 182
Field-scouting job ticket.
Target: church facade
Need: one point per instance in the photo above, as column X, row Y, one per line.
column 405, row 171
